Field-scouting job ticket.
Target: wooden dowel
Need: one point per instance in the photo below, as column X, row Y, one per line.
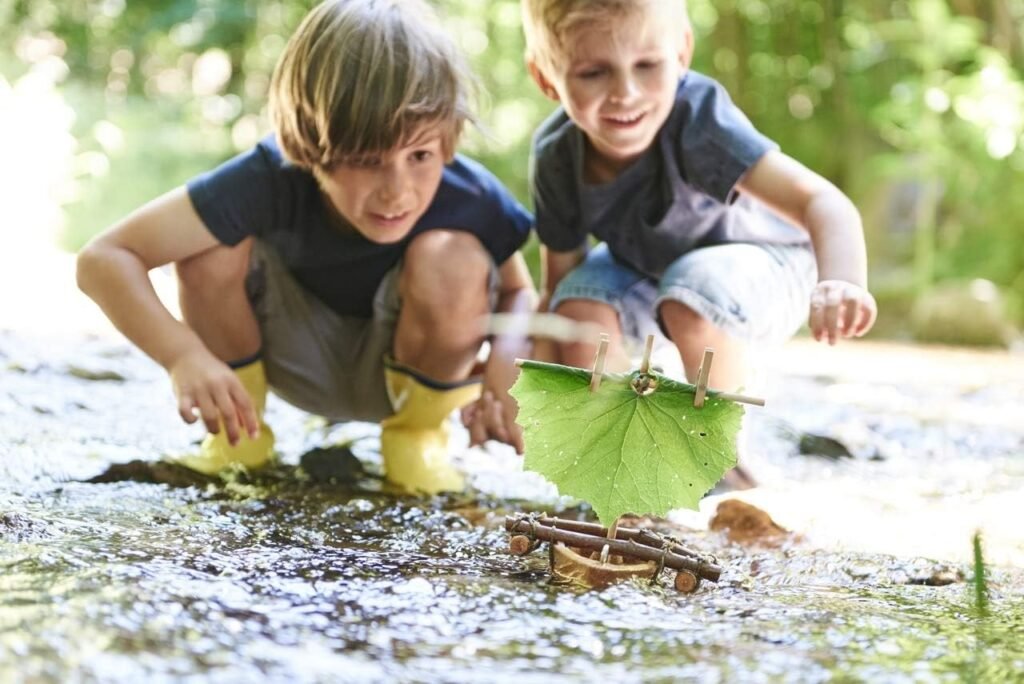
column 629, row 548
column 742, row 399
column 645, row 362
column 602, row 351
column 703, row 373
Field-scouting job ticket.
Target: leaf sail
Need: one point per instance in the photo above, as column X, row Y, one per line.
column 620, row 451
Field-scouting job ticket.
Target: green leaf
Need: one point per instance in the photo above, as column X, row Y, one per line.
column 617, row 450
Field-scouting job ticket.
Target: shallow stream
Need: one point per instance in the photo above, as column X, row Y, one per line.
column 295, row 577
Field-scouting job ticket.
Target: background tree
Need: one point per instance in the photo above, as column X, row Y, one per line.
column 915, row 108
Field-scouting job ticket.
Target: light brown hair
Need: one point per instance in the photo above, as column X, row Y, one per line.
column 546, row 23
column 361, row 76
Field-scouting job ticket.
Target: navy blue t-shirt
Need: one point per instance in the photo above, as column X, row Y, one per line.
column 259, row 193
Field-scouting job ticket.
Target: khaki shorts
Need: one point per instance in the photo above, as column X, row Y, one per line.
column 316, row 359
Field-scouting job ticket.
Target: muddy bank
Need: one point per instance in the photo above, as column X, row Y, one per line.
column 320, row 574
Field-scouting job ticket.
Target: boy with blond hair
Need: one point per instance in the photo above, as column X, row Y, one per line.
column 345, row 260
column 709, row 233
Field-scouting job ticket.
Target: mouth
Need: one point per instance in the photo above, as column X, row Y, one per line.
column 389, row 218
column 624, row 120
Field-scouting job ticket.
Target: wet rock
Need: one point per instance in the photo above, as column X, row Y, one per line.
column 821, row 445
column 746, row 524
column 963, row 313
column 96, row 375
column 153, row 472
column 939, row 576
column 735, row 480
column 16, row 527
column 332, row 465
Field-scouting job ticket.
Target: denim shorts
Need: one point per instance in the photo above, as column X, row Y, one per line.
column 758, row 293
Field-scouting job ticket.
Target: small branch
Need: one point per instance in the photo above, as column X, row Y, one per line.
column 632, row 549
column 645, row 537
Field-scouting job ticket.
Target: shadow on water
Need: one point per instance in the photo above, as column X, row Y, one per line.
column 318, row 573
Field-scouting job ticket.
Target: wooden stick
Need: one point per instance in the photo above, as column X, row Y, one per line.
column 741, row 398
column 645, row 362
column 703, row 373
column 598, row 372
column 629, row 548
column 544, row 325
column 645, row 537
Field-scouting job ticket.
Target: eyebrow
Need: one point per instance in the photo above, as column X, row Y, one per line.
column 422, row 138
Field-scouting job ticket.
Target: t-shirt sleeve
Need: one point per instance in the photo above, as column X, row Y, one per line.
column 717, row 142
column 239, row 198
column 471, row 198
column 555, row 193
column 511, row 227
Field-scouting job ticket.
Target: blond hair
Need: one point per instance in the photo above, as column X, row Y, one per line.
column 361, row 76
column 547, row 23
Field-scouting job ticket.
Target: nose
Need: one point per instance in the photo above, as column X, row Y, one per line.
column 624, row 87
column 392, row 183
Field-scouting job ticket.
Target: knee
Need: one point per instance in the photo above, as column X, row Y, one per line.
column 587, row 310
column 215, row 269
column 678, row 318
column 446, row 271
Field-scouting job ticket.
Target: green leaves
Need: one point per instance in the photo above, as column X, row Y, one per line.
column 619, row 450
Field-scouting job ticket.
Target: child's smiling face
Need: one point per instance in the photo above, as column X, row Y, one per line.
column 618, row 81
column 383, row 195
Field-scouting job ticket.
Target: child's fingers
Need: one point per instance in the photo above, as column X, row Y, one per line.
column 187, row 408
column 816, row 322
column 866, row 319
column 228, row 414
column 246, row 411
column 516, row 433
column 833, row 300
column 495, row 418
column 851, row 313
column 476, row 427
column 208, row 412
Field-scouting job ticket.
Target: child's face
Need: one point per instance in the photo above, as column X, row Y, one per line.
column 618, row 81
column 384, row 195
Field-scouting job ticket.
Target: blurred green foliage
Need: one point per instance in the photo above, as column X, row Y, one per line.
column 914, row 107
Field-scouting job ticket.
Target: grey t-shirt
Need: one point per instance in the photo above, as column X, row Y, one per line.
column 678, row 196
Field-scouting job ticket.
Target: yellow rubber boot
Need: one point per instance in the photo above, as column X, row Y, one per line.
column 414, row 441
column 216, row 453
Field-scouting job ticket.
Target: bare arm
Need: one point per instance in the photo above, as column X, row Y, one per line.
column 840, row 304
column 113, row 269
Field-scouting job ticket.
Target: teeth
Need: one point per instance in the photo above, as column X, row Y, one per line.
column 626, row 119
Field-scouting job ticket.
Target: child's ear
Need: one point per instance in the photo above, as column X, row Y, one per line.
column 541, row 80
column 686, row 48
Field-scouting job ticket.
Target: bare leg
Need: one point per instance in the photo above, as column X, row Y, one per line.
column 691, row 333
column 211, row 291
column 444, row 294
column 581, row 354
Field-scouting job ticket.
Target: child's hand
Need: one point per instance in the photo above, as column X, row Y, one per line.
column 841, row 309
column 204, row 383
column 493, row 418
